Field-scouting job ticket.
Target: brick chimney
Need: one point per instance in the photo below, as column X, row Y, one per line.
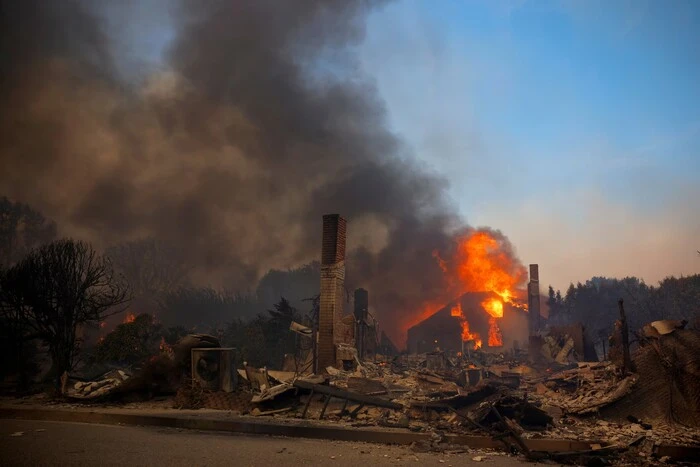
column 533, row 299
column 332, row 289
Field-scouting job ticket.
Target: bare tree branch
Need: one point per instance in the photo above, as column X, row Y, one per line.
column 56, row 289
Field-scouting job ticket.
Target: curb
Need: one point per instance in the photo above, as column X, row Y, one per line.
column 258, row 427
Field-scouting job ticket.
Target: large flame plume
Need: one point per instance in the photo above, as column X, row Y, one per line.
column 483, row 265
column 484, row 262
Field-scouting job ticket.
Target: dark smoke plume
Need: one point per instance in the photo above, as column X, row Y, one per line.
column 233, row 152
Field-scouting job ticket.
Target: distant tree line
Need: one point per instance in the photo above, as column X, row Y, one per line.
column 595, row 303
column 57, row 293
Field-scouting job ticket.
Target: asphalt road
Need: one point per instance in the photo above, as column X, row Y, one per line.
column 74, row 444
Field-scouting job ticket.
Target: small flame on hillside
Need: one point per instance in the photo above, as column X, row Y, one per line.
column 129, row 318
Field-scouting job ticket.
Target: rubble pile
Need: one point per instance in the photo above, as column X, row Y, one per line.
column 161, row 374
column 520, row 400
column 505, row 396
column 585, row 389
column 668, row 367
column 621, row 433
column 99, row 388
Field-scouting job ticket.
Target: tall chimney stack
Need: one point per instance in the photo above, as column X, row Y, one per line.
column 332, row 289
column 533, row 299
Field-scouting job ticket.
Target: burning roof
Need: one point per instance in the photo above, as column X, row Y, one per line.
column 481, row 263
column 468, row 320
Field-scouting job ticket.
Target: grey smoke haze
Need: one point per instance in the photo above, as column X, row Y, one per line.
column 233, row 152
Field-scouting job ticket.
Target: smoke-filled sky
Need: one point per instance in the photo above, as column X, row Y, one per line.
column 573, row 126
column 228, row 128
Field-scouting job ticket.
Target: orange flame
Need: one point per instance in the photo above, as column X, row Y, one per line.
column 470, row 336
column 467, row 335
column 129, row 318
column 495, row 337
column 494, row 307
column 484, row 266
column 483, row 263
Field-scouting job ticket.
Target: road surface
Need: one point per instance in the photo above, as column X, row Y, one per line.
column 40, row 443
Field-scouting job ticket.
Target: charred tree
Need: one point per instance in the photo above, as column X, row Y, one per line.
column 55, row 290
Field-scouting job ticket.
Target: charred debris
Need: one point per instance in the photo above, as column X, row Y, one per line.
column 640, row 407
column 525, row 403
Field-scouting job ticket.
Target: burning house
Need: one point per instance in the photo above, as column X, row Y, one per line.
column 474, row 320
column 491, row 311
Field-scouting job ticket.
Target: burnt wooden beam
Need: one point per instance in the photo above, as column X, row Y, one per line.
column 356, row 410
column 325, row 406
column 523, row 447
column 308, row 402
column 352, row 396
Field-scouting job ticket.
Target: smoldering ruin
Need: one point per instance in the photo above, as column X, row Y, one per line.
column 242, row 155
column 546, row 396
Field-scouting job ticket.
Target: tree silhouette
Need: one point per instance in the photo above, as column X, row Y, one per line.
column 277, row 332
column 150, row 267
column 56, row 289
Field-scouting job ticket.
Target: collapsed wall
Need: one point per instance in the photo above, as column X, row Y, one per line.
column 668, row 389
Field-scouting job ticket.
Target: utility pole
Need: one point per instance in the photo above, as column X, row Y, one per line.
column 626, row 360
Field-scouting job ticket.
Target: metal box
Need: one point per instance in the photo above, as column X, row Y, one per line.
column 215, row 368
